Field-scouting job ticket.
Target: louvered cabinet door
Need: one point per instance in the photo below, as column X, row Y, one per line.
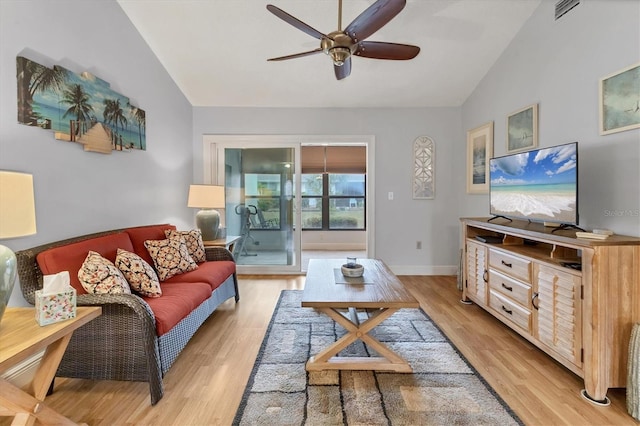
column 476, row 287
column 558, row 312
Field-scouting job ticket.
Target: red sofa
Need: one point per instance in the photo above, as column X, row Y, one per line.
column 136, row 338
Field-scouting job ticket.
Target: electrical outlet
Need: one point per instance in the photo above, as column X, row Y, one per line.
column 390, row 195
column 419, row 245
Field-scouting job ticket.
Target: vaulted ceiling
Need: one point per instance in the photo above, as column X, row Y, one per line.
column 216, row 51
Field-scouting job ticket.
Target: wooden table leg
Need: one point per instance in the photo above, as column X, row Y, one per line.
column 27, row 408
column 48, row 366
column 327, row 359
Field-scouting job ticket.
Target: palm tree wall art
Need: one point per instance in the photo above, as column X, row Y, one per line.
column 78, row 108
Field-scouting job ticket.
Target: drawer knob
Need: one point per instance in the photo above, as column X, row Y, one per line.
column 509, row 311
column 507, row 287
column 508, row 265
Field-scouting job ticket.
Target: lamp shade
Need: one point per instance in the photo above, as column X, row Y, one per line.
column 17, row 207
column 17, row 219
column 206, row 196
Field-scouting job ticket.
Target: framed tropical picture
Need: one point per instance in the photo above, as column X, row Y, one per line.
column 479, row 151
column 620, row 101
column 522, row 129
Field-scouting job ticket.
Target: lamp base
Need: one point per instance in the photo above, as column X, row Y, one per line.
column 208, row 221
column 8, row 272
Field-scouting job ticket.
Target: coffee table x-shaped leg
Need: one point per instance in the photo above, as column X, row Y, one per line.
column 327, row 359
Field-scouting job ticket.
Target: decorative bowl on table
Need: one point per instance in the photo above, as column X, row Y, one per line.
column 352, row 270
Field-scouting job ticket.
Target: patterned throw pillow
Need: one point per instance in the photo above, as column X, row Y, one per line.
column 193, row 239
column 99, row 276
column 170, row 257
column 140, row 275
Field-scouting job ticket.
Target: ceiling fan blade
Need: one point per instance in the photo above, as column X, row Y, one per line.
column 292, row 20
column 344, row 70
column 373, row 18
column 382, row 50
column 296, row 55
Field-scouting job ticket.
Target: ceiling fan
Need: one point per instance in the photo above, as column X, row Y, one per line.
column 340, row 45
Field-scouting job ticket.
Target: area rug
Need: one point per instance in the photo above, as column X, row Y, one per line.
column 444, row 388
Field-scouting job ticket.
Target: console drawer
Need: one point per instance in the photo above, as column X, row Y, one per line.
column 514, row 266
column 510, row 310
column 510, row 287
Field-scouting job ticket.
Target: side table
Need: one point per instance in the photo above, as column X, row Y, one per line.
column 22, row 337
column 227, row 242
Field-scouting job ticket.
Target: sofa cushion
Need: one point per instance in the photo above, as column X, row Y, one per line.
column 100, row 276
column 194, row 242
column 177, row 302
column 170, row 257
column 71, row 256
column 140, row 234
column 212, row 273
column 139, row 274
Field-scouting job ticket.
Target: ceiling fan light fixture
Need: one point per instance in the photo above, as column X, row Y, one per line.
column 339, row 55
column 341, row 44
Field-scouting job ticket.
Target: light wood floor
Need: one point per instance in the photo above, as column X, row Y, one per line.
column 205, row 385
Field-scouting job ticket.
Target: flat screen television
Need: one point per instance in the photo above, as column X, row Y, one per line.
column 537, row 185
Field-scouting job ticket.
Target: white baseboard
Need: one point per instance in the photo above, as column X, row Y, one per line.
column 424, row 270
column 334, row 246
column 22, row 374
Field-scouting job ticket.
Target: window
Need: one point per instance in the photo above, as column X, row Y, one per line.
column 333, row 187
column 333, row 201
column 312, row 197
column 262, row 191
column 346, row 201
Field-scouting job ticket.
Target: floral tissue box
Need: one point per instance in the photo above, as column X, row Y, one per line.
column 55, row 307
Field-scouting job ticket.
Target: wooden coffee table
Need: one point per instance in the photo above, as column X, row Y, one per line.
column 378, row 289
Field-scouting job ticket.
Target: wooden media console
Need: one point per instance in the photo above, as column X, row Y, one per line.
column 575, row 299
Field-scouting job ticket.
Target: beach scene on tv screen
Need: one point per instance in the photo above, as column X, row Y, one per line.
column 536, row 185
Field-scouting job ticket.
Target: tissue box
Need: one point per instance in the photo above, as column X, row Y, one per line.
column 55, row 307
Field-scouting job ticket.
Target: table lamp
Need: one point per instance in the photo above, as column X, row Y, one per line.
column 207, row 198
column 17, row 219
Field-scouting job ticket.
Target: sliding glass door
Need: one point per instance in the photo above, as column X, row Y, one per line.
column 259, row 200
column 280, row 194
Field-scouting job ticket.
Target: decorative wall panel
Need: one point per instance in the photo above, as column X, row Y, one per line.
column 78, row 108
column 423, row 168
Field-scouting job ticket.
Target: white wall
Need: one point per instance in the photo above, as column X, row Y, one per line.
column 398, row 223
column 79, row 192
column 333, row 240
column 558, row 64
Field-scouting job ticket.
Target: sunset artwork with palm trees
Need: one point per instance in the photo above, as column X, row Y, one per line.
column 79, row 108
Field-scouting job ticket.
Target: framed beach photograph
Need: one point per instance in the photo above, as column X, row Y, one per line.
column 522, row 129
column 620, row 101
column 479, row 151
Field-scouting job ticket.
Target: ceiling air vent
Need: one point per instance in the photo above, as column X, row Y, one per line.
column 563, row 6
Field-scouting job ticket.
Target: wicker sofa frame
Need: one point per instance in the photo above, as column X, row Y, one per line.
column 122, row 343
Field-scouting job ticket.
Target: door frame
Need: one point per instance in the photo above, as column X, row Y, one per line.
column 214, row 173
